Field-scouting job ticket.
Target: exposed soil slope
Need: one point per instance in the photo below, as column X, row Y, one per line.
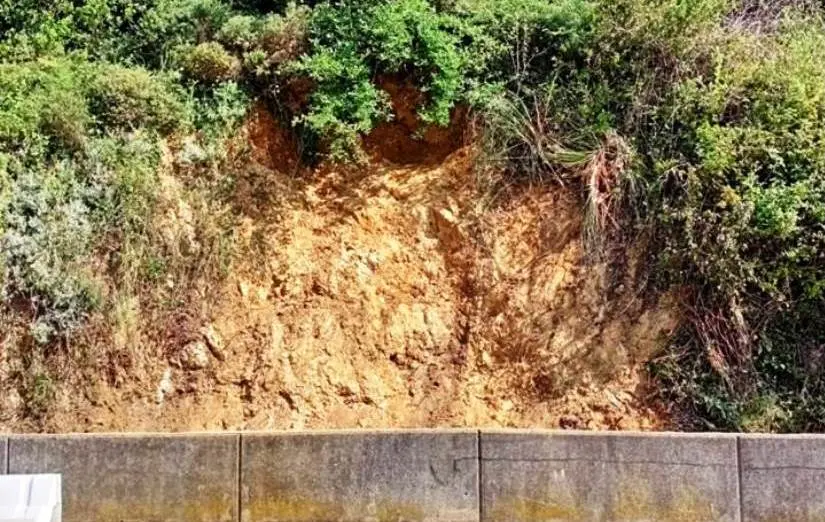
column 386, row 296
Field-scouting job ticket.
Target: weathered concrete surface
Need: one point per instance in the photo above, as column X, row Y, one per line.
column 561, row 477
column 137, row 478
column 375, row 477
column 4, row 446
column 783, row 478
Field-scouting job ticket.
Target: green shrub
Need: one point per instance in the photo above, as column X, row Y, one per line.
column 522, row 43
column 755, row 186
column 345, row 103
column 352, row 42
column 784, row 388
column 219, row 113
column 210, row 63
column 743, row 225
column 239, row 33
column 123, row 173
column 267, row 6
column 463, row 52
column 30, row 28
column 79, row 147
column 43, row 103
column 145, row 31
column 47, row 244
column 73, row 186
column 171, row 24
column 284, row 37
column 131, row 98
column 56, row 221
column 410, row 36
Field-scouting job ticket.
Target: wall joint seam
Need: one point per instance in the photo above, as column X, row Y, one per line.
column 479, row 477
column 739, row 478
column 239, row 470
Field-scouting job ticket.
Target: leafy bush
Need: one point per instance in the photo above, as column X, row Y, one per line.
column 217, row 115
column 210, row 63
column 46, row 243
column 80, row 125
column 43, row 103
column 456, row 54
column 65, row 188
column 784, row 389
column 352, row 42
column 56, row 217
column 222, row 110
column 166, row 25
column 30, row 29
column 283, row 38
column 345, row 103
column 131, row 98
column 749, row 219
column 134, row 31
column 239, row 32
column 743, row 227
column 522, row 43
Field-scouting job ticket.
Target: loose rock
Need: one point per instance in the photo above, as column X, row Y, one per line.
column 214, row 342
column 195, row 356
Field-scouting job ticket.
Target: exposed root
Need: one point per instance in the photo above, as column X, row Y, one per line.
column 728, row 342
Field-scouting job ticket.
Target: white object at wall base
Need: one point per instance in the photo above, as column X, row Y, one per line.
column 30, row 498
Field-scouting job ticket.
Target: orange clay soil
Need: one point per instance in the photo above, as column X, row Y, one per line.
column 391, row 296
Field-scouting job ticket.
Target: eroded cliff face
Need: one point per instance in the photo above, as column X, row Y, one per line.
column 389, row 295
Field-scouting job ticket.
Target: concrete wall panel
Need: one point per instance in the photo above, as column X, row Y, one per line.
column 783, row 478
column 354, row 477
column 578, row 477
column 167, row 478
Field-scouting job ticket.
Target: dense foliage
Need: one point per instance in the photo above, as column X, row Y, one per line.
column 697, row 125
column 741, row 220
column 83, row 111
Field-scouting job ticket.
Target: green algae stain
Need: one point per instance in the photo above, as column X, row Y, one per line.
column 399, row 513
column 638, row 505
column 218, row 510
column 631, row 503
column 524, row 509
column 800, row 515
column 293, row 508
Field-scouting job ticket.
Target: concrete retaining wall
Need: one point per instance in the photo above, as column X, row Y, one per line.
column 609, row 477
column 430, row 476
column 135, row 478
column 382, row 477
